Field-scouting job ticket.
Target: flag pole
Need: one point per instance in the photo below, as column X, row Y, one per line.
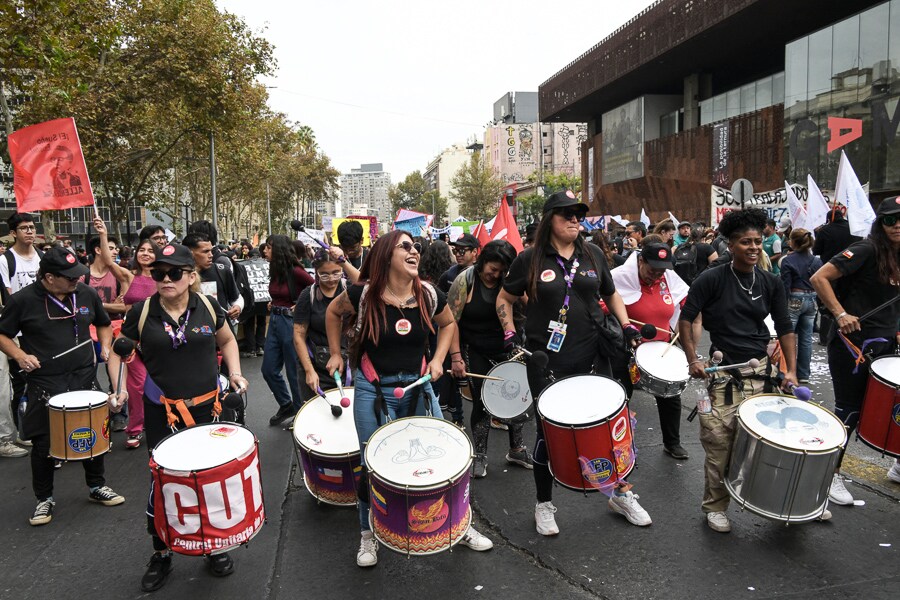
column 86, row 175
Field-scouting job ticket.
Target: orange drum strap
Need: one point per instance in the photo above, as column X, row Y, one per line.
column 182, row 405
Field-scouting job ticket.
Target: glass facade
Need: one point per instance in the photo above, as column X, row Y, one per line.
column 849, row 70
column 745, row 99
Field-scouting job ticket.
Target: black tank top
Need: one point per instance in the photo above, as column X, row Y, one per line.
column 479, row 326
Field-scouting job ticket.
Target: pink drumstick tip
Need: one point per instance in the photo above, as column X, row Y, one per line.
column 345, row 401
column 398, row 392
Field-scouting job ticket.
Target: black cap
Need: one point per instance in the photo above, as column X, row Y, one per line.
column 685, row 224
column 175, row 255
column 889, row 206
column 61, row 261
column 563, row 200
column 658, row 256
column 466, row 240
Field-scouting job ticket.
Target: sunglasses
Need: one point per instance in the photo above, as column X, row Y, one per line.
column 461, row 251
column 568, row 214
column 173, row 274
column 69, row 279
column 889, row 220
column 407, row 246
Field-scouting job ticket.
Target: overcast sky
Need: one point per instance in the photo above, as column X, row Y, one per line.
column 396, row 81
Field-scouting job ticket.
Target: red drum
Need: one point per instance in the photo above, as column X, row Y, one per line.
column 879, row 421
column 587, row 429
column 207, row 489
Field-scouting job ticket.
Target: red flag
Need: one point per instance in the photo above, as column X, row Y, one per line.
column 49, row 171
column 505, row 227
column 482, row 234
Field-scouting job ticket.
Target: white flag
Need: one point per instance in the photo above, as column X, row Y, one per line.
column 644, row 218
column 796, row 212
column 850, row 193
column 816, row 205
column 618, row 219
column 673, row 219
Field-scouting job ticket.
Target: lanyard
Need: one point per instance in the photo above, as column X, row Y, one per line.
column 71, row 312
column 569, row 277
column 178, row 337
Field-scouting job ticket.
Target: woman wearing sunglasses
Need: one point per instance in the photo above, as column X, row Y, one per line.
column 175, row 328
column 394, row 311
column 851, row 285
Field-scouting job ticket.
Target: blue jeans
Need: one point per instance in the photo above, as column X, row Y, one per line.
column 280, row 353
column 367, row 421
column 802, row 310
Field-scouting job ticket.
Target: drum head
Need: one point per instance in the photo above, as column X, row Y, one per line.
column 317, row 430
column 671, row 367
column 581, row 399
column 78, row 400
column 511, row 397
column 792, row 423
column 419, row 452
column 887, row 368
column 203, row 447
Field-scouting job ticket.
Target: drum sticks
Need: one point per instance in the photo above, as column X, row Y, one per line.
column 345, row 401
column 672, row 343
column 477, row 376
column 400, row 391
column 753, row 363
column 336, row 410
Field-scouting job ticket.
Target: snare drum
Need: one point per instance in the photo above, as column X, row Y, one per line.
column 207, row 489
column 587, row 429
column 879, row 421
column 328, row 449
column 419, row 484
column 79, row 425
column 662, row 373
column 509, row 399
column 784, row 456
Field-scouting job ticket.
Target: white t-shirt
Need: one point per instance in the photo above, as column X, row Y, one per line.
column 25, row 273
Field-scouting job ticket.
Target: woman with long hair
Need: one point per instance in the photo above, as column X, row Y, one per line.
column 435, row 261
column 287, row 279
column 394, row 311
column 796, row 269
column 863, row 278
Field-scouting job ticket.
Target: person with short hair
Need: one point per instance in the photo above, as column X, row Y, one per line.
column 683, row 234
column 635, row 231
column 350, row 237
column 155, row 233
column 772, row 245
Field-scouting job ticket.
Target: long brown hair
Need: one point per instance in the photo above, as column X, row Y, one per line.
column 885, row 255
column 374, row 272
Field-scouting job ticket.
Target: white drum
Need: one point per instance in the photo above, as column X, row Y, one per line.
column 510, row 398
column 663, row 372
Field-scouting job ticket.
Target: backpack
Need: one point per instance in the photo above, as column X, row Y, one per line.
column 11, row 263
column 686, row 262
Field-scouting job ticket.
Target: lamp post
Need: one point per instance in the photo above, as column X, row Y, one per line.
column 212, row 178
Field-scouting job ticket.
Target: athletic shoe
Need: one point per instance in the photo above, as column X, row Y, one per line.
column 676, row 452
column 158, row 570
column 479, row 466
column 248, row 354
column 220, row 565
column 498, row 424
column 627, row 505
column 476, row 541
column 10, row 450
column 134, row 441
column 106, row 496
column 118, row 422
column 718, row 521
column 21, row 442
column 43, row 513
column 544, row 518
column 521, row 457
column 894, row 472
column 838, row 493
column 367, row 556
column 284, row 413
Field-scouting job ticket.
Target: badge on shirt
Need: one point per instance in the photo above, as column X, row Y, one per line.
column 403, row 327
column 847, row 254
column 667, row 298
column 548, row 275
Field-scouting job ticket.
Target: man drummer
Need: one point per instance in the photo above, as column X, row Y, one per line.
column 54, row 315
column 653, row 293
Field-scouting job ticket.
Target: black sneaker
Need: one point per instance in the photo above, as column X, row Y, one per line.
column 118, row 422
column 106, row 496
column 676, row 452
column 283, row 413
column 220, row 565
column 158, row 570
column 43, row 513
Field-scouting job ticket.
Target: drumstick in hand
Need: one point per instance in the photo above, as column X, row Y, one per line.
column 345, row 401
column 335, row 409
column 477, row 376
column 672, row 343
column 400, row 391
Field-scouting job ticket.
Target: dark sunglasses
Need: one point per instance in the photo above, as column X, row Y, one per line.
column 407, row 245
column 69, row 279
column 173, row 274
column 568, row 213
column 461, row 251
column 889, row 220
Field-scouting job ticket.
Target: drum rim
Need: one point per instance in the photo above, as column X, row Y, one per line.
column 527, row 407
column 880, row 378
column 172, row 471
column 746, row 505
column 657, row 377
column 101, row 400
column 300, row 444
column 580, row 425
column 746, row 427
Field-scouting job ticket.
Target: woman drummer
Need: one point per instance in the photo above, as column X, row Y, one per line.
column 393, row 312
column 473, row 302
column 177, row 327
column 734, row 300
column 564, row 278
column 857, row 281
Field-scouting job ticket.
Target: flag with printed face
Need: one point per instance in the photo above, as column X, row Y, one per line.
column 850, row 193
column 816, row 205
column 48, row 167
column 505, row 227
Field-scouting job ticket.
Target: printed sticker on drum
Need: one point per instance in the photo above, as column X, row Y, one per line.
column 595, row 471
column 313, row 439
column 104, row 430
column 403, row 327
column 548, row 275
column 620, row 428
column 223, row 432
column 428, row 515
column 82, row 439
column 896, row 415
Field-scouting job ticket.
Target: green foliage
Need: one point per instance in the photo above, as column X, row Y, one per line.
column 530, row 207
column 556, row 182
column 413, row 194
column 476, row 189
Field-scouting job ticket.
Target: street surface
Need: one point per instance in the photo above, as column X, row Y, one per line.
column 309, row 550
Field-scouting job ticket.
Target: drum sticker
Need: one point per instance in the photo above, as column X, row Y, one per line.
column 223, row 432
column 104, row 430
column 313, row 439
column 335, row 476
column 403, row 327
column 813, row 441
column 81, row 440
column 423, row 472
column 428, row 515
column 379, row 502
column 619, row 429
column 511, row 390
column 595, row 471
column 896, row 415
column 548, row 275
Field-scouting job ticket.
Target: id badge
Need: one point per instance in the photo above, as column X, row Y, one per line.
column 557, row 337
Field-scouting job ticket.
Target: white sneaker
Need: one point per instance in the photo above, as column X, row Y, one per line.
column 368, row 550
column 718, row 521
column 544, row 520
column 894, row 472
column 10, row 450
column 628, row 506
column 838, row 493
column 476, row 541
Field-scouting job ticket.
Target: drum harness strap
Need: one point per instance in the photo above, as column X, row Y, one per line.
column 736, row 380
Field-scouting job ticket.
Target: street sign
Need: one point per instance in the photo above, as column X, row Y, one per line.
column 742, row 190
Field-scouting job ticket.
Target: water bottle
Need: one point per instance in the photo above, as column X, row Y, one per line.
column 701, row 396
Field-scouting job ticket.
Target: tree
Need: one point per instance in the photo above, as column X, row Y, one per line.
column 413, row 194
column 531, row 206
column 476, row 188
column 556, row 182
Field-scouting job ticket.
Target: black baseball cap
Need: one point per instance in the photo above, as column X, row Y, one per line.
column 658, row 256
column 563, row 200
column 61, row 261
column 889, row 206
column 466, row 240
column 175, row 255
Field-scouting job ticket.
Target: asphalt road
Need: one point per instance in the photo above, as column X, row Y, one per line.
column 309, row 550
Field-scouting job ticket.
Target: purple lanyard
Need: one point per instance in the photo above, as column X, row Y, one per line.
column 570, row 277
column 178, row 337
column 73, row 312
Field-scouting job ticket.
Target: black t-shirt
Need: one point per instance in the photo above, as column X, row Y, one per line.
column 584, row 315
column 479, row 326
column 860, row 290
column 189, row 370
column 48, row 329
column 449, row 276
column 734, row 318
column 833, row 238
column 219, row 282
column 398, row 352
column 704, row 251
column 312, row 313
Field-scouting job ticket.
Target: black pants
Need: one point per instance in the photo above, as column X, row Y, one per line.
column 849, row 387
column 669, row 410
column 480, row 422
column 42, row 468
column 254, row 333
